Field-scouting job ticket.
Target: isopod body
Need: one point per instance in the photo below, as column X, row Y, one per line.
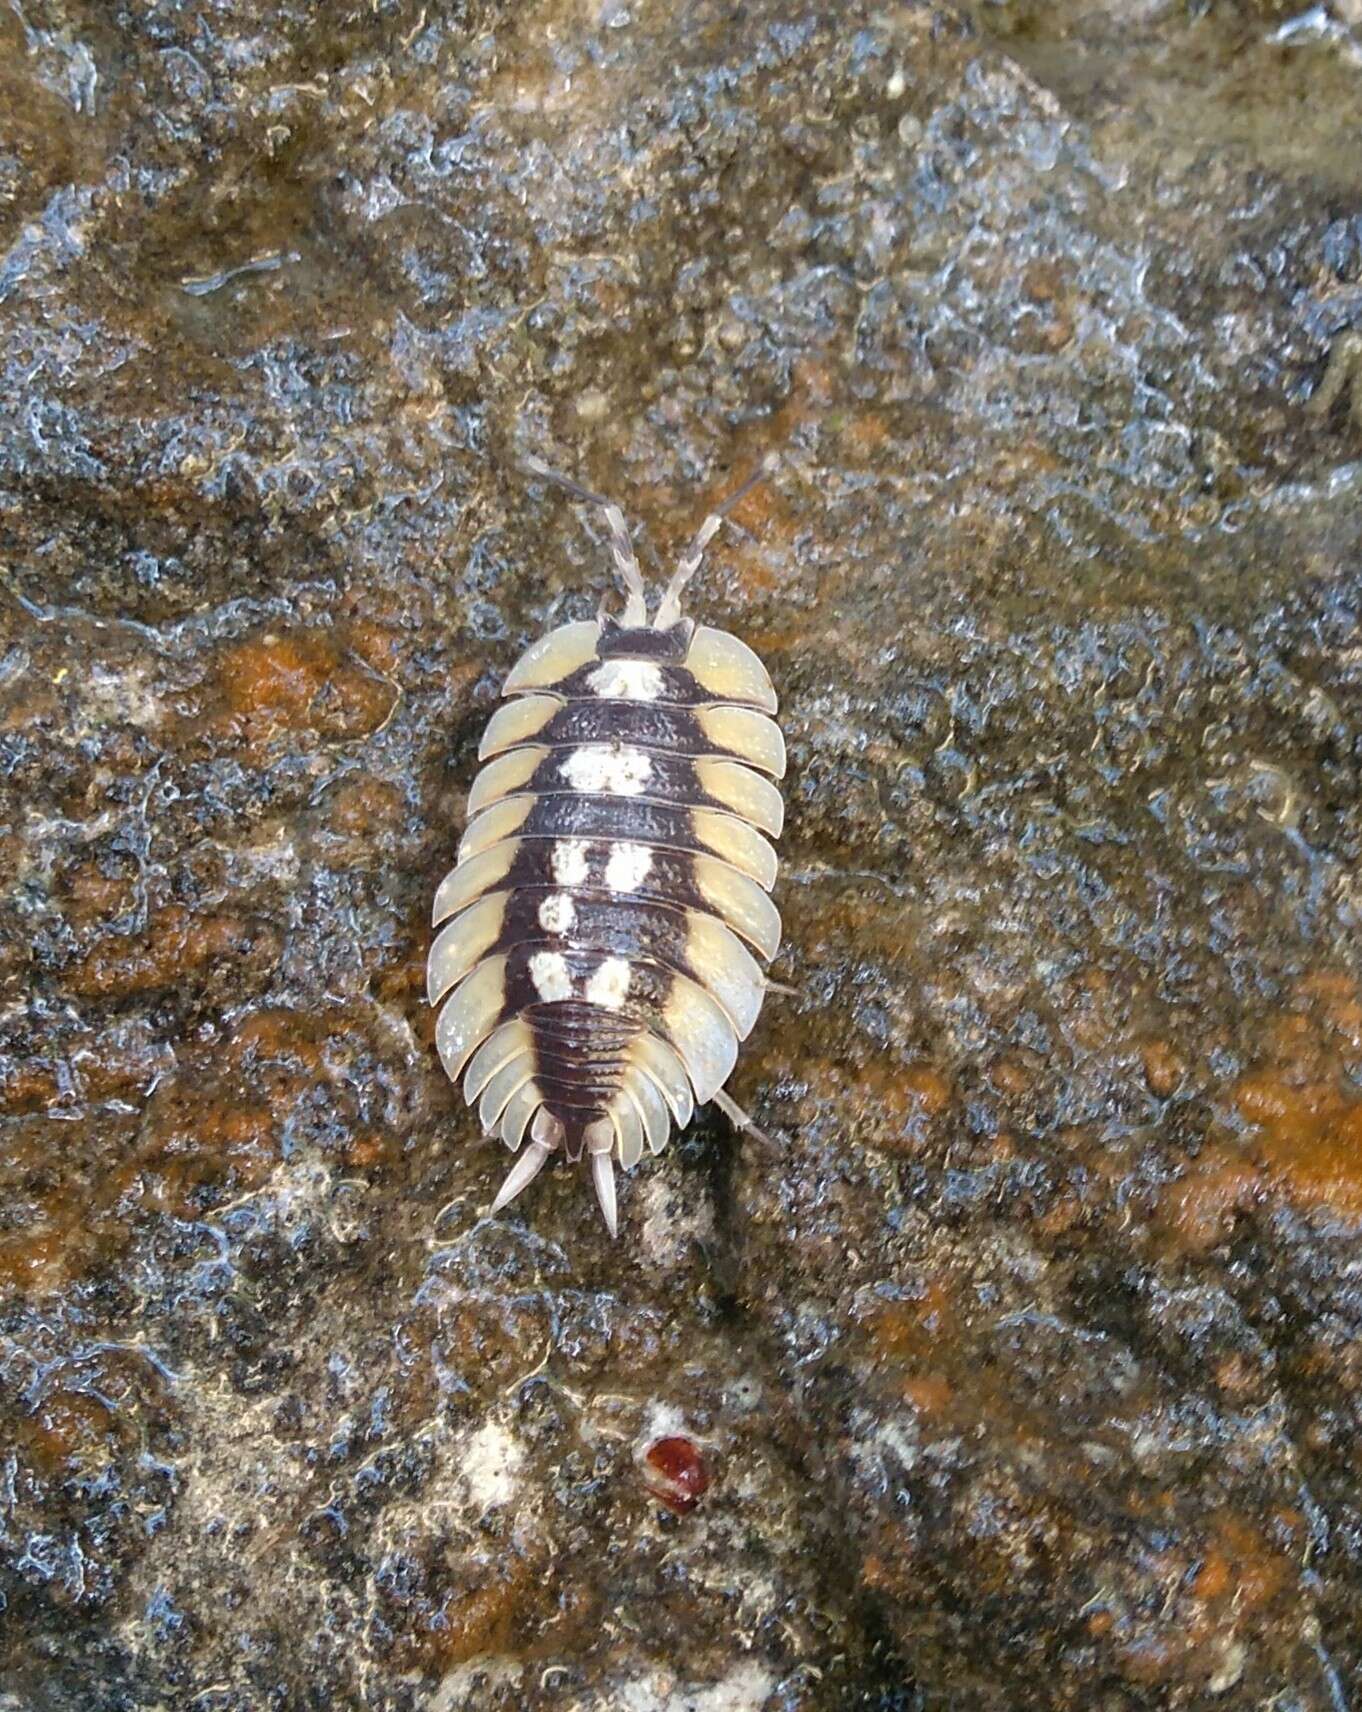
column 602, row 935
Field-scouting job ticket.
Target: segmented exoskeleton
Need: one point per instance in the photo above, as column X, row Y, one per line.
column 596, row 963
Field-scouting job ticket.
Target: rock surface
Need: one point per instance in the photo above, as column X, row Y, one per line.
column 1027, row 1374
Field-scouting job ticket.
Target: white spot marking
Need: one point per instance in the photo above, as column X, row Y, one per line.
column 627, row 680
column 609, row 984
column 569, row 861
column 557, row 913
column 610, row 768
column 628, row 867
column 549, row 972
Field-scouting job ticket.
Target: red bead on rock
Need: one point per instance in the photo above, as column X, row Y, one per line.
column 675, row 1473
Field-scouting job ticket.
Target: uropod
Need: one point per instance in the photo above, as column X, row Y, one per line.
column 603, row 932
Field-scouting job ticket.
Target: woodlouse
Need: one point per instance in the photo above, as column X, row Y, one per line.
column 598, row 962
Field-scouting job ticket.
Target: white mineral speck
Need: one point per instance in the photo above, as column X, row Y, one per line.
column 490, row 1465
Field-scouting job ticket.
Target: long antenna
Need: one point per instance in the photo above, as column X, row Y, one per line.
column 621, row 547
column 670, row 609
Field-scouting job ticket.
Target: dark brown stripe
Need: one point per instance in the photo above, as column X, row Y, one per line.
column 576, row 1024
column 578, row 1019
column 618, row 642
column 643, row 724
column 611, row 925
column 580, row 1094
column 563, row 1067
column 579, row 1052
column 628, row 819
column 594, row 1036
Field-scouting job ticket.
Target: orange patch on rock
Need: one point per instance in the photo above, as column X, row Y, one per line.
column 1336, row 1000
column 1164, row 1067
column 876, row 1573
column 1201, row 1204
column 91, row 896
column 1293, row 1045
column 306, row 681
column 865, row 920
column 27, row 1088
column 368, row 1150
column 216, row 1128
column 929, row 1394
column 1214, row 1579
column 1047, row 320
column 274, row 676
column 464, row 1622
column 899, row 1100
column 378, row 645
column 476, row 1622
column 927, row 1086
column 34, row 1260
column 68, row 1426
column 1310, row 1140
column 814, row 389
column 201, row 1138
column 176, row 943
column 362, row 805
column 1241, row 1563
column 863, row 435
column 32, row 706
column 406, row 980
column 278, row 1034
column 907, row 1330
column 1010, row 1076
column 1234, row 1375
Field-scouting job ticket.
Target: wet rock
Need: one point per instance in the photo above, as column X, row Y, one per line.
column 1023, row 1374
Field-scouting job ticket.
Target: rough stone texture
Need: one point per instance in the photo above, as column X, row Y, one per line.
column 1027, row 1372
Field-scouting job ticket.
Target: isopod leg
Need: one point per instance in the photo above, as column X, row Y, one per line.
column 740, row 1120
